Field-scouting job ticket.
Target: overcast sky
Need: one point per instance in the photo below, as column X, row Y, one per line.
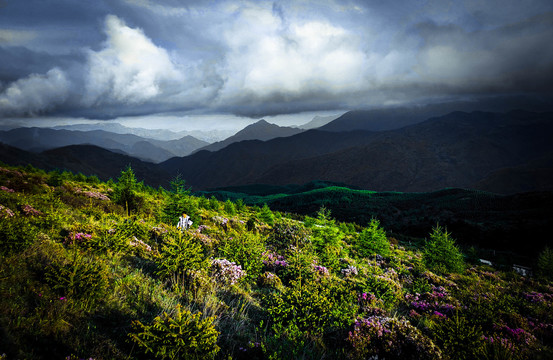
column 105, row 59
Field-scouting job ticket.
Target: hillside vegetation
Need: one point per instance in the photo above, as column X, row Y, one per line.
column 492, row 223
column 92, row 269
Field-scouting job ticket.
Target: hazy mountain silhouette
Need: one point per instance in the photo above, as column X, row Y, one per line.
column 39, row 139
column 261, row 130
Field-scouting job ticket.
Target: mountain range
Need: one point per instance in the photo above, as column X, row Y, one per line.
column 456, row 150
column 40, row 139
column 498, row 152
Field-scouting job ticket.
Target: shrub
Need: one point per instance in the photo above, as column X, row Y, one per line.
column 286, row 233
column 384, row 287
column 78, row 277
column 180, row 254
column 16, row 232
column 181, row 336
column 246, row 250
column 441, row 254
column 390, row 338
column 306, row 310
column 458, row 338
column 226, row 272
column 372, row 241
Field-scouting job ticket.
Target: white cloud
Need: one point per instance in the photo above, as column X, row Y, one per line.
column 267, row 56
column 35, row 93
column 129, row 69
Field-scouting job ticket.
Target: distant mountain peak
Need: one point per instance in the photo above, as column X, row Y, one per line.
column 260, row 130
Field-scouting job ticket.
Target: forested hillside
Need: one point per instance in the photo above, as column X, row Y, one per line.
column 96, row 270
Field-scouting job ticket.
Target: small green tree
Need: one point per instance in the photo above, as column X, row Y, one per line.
column 179, row 256
column 545, row 263
column 125, row 192
column 327, row 240
column 373, row 240
column 441, row 254
column 266, row 215
column 179, row 201
column 181, row 336
column 229, row 207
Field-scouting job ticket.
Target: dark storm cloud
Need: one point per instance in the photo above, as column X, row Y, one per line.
column 254, row 58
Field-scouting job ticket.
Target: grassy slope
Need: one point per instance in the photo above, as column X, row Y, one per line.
column 76, row 274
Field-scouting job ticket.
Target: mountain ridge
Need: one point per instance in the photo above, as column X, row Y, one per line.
column 260, row 130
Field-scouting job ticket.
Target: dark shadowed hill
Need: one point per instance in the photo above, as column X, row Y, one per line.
column 456, row 150
column 261, row 130
column 243, row 162
column 87, row 159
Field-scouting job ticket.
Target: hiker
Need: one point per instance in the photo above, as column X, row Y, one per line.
column 184, row 222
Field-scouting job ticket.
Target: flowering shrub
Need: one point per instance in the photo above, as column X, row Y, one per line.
column 273, row 261
column 349, row 271
column 369, row 305
column 6, row 212
column 28, row 210
column 226, row 272
column 389, row 338
column 6, row 189
column 93, row 194
column 437, row 302
column 77, row 238
column 137, row 243
column 319, row 269
column 221, row 221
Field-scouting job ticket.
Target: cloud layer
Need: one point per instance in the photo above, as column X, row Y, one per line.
column 260, row 58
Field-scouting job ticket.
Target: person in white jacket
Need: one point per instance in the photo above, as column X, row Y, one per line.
column 184, row 222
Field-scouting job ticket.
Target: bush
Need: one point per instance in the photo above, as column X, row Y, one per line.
column 182, row 336
column 286, row 233
column 16, row 233
column 441, row 254
column 306, row 310
column 458, row 338
column 390, row 338
column 78, row 277
column 372, row 241
column 179, row 256
column 246, row 250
